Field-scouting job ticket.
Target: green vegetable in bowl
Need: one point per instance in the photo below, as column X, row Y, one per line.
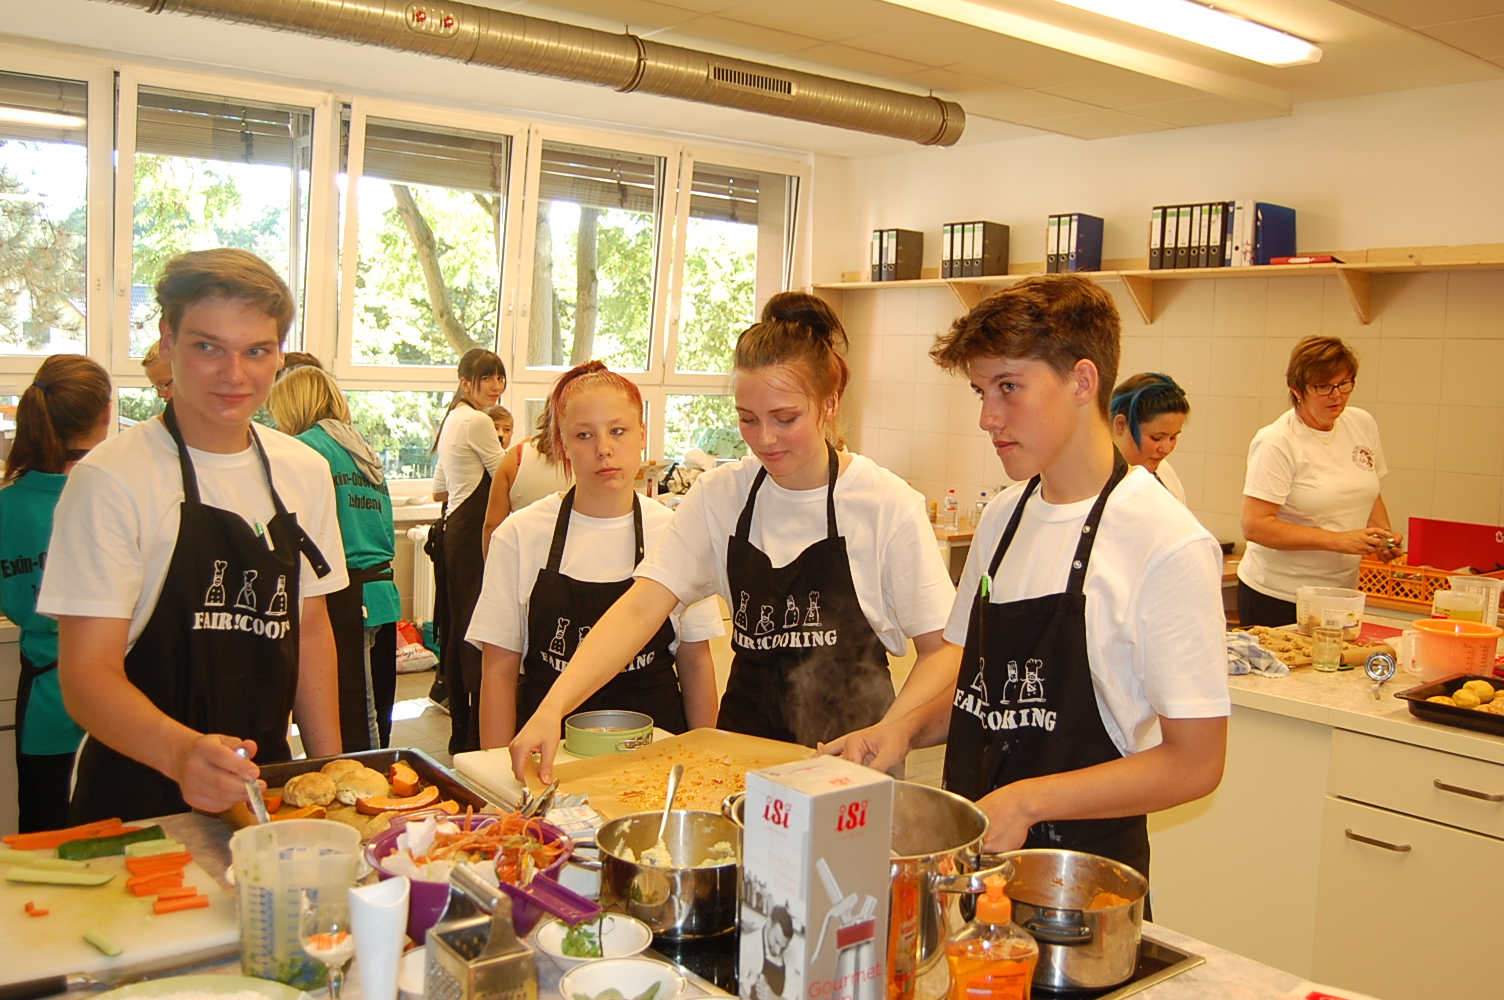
column 583, row 941
column 612, row 993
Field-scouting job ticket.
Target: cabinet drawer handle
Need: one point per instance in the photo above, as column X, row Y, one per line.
column 1485, row 796
column 1386, row 845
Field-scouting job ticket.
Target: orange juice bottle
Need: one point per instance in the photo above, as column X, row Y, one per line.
column 992, row 958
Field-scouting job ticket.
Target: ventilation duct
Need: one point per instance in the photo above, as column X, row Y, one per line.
column 471, row 34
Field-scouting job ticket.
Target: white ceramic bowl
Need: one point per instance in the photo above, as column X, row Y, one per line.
column 621, row 937
column 412, row 974
column 632, row 976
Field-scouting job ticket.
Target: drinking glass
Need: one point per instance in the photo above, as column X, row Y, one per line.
column 324, row 930
column 1326, row 648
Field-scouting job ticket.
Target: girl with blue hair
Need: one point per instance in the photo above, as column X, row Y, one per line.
column 1149, row 411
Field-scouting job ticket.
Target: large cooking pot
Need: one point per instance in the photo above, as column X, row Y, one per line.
column 1082, row 946
column 937, row 858
column 681, row 901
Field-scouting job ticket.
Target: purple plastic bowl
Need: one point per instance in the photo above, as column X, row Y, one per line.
column 427, row 901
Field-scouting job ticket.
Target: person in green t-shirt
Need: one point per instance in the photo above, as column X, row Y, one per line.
column 307, row 403
column 63, row 413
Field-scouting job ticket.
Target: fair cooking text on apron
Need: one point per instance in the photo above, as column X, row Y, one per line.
column 220, row 651
column 1024, row 704
column 562, row 610
column 808, row 666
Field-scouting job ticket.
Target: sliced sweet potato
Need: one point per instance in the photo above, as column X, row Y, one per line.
column 307, row 812
column 449, row 806
column 273, row 802
column 380, row 804
column 404, row 780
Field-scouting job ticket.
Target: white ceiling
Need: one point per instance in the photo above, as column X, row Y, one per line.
column 1369, row 46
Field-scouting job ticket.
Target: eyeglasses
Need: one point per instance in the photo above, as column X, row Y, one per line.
column 162, row 387
column 1327, row 388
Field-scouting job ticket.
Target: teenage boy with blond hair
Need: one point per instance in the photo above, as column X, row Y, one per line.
column 1092, row 688
column 188, row 567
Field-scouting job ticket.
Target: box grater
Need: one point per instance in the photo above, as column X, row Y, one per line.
column 473, row 950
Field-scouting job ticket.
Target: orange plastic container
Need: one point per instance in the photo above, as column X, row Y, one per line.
column 1452, row 646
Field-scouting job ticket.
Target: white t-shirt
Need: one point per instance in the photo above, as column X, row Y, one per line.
column 1319, row 479
column 1155, row 629
column 1172, row 482
column 468, row 447
column 900, row 579
column 598, row 550
column 117, row 521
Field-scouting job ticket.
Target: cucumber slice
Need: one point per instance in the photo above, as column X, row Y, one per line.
column 101, row 942
column 49, row 876
column 11, row 856
column 146, row 848
column 104, row 847
column 60, row 865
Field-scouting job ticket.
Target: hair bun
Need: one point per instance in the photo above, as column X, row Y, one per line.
column 803, row 309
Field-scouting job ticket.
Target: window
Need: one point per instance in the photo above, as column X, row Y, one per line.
column 701, row 421
column 43, row 192
column 594, row 257
column 400, row 427
column 136, row 405
column 432, row 210
column 736, row 256
column 217, row 171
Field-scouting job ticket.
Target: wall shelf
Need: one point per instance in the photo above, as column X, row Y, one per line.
column 1356, row 277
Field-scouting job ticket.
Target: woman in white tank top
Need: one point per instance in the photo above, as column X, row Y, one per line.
column 526, row 475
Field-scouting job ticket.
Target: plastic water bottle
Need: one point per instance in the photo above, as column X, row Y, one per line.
column 976, row 514
column 952, row 510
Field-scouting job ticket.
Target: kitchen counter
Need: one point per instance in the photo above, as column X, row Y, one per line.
column 1223, row 975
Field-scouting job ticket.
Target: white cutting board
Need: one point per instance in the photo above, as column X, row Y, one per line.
column 54, row 945
column 490, row 771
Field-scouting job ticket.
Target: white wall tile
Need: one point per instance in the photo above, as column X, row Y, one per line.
column 1463, row 497
column 1184, row 308
column 1408, row 493
column 931, row 407
column 928, row 461
column 1472, row 371
column 1475, row 304
column 1470, row 439
column 1271, row 408
column 895, row 449
column 1236, row 364
column 1224, row 527
column 1226, row 424
column 1191, row 468
column 1409, row 371
column 965, row 408
column 1277, row 348
column 895, row 406
column 1240, row 307
column 1294, row 307
column 1410, row 305
column 1337, row 316
column 898, row 357
column 1223, row 485
column 1188, row 360
column 901, row 312
column 1408, row 431
column 1140, row 354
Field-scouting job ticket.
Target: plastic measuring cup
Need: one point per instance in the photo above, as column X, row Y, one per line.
column 275, row 865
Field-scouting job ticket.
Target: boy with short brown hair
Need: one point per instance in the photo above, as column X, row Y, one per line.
column 187, row 567
column 1092, row 687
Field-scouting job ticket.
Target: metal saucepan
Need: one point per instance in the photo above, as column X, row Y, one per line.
column 936, row 859
column 680, row 901
column 1081, row 946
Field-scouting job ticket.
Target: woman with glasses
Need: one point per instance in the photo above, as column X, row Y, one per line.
column 1311, row 503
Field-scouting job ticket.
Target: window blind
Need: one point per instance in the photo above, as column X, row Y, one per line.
column 44, row 93
column 447, row 158
column 600, row 178
column 205, row 127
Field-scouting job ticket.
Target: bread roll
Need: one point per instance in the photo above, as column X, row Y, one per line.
column 361, row 784
column 337, row 769
column 312, row 789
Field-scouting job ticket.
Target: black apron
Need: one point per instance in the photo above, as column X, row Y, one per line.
column 464, row 567
column 1025, row 705
column 347, row 616
column 42, row 779
column 561, row 610
column 220, row 651
column 807, row 666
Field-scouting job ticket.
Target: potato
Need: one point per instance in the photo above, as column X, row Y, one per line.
column 1442, row 699
column 1481, row 688
column 1466, row 698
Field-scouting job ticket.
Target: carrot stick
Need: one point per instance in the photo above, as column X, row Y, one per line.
column 155, row 886
column 136, row 880
column 44, row 839
column 178, row 892
column 174, row 905
column 158, row 862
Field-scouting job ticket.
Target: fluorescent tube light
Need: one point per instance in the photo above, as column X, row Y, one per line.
column 30, row 116
column 1208, row 26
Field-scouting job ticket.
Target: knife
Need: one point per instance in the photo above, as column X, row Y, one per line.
column 47, row 986
column 253, row 793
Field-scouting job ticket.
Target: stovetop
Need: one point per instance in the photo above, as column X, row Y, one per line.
column 715, row 960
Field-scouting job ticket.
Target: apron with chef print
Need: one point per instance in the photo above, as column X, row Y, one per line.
column 561, row 611
column 464, row 568
column 1024, row 704
column 808, row 666
column 220, row 651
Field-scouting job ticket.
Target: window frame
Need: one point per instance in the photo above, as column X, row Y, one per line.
column 427, row 378
column 318, row 292
column 98, row 207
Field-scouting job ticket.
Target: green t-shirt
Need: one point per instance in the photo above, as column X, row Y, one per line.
column 365, row 523
column 26, row 508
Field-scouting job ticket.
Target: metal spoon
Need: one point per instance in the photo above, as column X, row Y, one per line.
column 253, row 793
column 540, row 805
column 675, row 775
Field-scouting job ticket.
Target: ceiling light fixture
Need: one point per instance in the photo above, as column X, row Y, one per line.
column 31, row 116
column 1216, row 29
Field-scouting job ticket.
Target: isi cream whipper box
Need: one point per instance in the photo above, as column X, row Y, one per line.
column 815, row 862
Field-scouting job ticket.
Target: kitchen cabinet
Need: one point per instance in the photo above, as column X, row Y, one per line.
column 1412, row 912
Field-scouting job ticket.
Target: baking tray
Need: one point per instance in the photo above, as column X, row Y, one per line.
column 1451, row 715
column 451, row 786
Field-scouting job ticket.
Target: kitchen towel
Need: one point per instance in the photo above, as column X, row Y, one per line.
column 1246, row 656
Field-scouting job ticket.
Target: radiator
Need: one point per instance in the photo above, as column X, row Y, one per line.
column 423, row 584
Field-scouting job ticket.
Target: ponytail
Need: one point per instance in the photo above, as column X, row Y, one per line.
column 67, row 398
column 585, row 376
column 802, row 333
